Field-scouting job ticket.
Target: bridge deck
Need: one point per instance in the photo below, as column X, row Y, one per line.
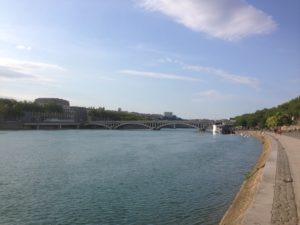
column 151, row 124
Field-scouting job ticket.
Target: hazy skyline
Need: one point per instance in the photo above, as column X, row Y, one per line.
column 196, row 58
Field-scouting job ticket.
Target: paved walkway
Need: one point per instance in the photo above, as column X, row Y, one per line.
column 260, row 212
column 283, row 161
column 292, row 148
column 284, row 210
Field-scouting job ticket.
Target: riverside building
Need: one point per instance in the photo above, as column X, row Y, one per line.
column 69, row 113
column 57, row 101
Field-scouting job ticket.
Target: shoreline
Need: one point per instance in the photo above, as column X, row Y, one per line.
column 248, row 190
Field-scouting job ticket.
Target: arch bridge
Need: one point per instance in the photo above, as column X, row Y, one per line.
column 153, row 124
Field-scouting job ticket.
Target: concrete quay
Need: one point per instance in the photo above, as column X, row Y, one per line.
column 292, row 148
column 277, row 201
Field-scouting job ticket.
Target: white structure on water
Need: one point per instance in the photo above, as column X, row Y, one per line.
column 214, row 130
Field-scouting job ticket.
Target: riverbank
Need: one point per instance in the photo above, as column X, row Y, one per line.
column 272, row 193
column 245, row 197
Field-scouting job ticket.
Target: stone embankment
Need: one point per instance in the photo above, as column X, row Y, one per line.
column 271, row 196
column 244, row 198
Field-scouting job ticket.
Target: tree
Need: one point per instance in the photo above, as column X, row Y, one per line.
column 272, row 122
column 284, row 114
column 283, row 119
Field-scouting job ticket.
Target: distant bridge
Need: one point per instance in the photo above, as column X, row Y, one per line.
column 153, row 124
column 147, row 124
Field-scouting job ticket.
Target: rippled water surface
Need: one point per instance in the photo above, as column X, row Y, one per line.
column 176, row 176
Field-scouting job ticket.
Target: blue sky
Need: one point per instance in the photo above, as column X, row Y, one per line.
column 196, row 58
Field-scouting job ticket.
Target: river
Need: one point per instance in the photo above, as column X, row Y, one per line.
column 171, row 176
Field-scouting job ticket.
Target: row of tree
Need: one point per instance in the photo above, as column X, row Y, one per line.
column 102, row 114
column 284, row 114
column 12, row 109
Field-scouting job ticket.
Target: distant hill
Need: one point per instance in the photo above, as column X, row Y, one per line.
column 285, row 114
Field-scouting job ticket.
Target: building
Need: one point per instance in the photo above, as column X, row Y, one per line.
column 67, row 115
column 57, row 101
column 168, row 114
column 80, row 113
column 156, row 117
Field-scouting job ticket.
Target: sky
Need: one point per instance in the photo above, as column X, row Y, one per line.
column 196, row 58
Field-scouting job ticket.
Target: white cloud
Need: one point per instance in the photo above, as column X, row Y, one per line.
column 210, row 95
column 157, row 75
column 231, row 77
column 227, row 76
column 23, row 48
column 9, row 74
column 226, row 19
column 12, row 69
column 22, row 65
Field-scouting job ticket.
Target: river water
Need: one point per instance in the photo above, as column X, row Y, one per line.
column 171, row 176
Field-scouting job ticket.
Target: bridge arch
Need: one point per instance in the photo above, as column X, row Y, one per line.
column 177, row 123
column 132, row 124
column 97, row 125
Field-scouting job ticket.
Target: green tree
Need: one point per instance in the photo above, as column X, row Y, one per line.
column 276, row 116
column 272, row 122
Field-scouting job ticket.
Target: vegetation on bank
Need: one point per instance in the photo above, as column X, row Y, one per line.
column 11, row 109
column 285, row 114
column 102, row 114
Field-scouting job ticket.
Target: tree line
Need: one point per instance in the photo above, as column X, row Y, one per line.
column 285, row 114
column 102, row 114
column 12, row 109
